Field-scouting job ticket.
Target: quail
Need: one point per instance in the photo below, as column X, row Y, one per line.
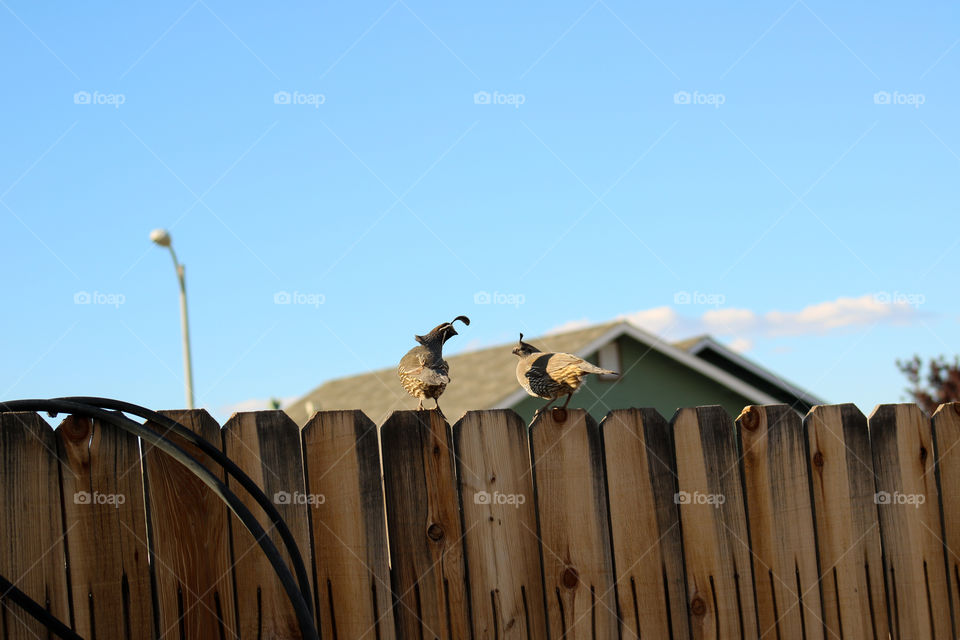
column 552, row 375
column 423, row 371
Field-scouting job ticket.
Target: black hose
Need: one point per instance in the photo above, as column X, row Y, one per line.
column 9, row 591
column 228, row 465
column 297, row 599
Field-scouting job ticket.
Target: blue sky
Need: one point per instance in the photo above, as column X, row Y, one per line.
column 791, row 167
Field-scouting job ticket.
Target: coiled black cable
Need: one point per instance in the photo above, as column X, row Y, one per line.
column 228, row 465
column 298, row 599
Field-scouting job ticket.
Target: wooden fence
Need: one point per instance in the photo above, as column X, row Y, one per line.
column 770, row 526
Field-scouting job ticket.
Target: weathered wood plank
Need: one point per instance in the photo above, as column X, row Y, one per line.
column 574, row 528
column 107, row 543
column 31, row 528
column 909, row 506
column 266, row 446
column 342, row 464
column 426, row 539
column 780, row 516
column 190, row 539
column 848, row 533
column 946, row 436
column 500, row 524
column 715, row 538
column 645, row 524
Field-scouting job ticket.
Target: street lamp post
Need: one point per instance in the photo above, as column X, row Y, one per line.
column 161, row 237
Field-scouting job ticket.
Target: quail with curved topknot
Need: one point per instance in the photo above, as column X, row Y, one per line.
column 423, row 371
column 552, row 375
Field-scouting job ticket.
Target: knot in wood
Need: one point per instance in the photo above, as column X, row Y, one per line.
column 435, row 532
column 818, row 459
column 698, row 607
column 570, row 578
column 559, row 415
column 923, row 454
column 750, row 419
column 77, row 429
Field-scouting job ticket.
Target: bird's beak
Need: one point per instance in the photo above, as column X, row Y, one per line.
column 516, row 351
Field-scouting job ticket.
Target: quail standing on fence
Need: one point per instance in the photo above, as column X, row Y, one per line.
column 552, row 375
column 423, row 371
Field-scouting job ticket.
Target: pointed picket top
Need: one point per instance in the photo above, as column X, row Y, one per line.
column 574, row 532
column 342, row 468
column 500, row 525
column 425, row 531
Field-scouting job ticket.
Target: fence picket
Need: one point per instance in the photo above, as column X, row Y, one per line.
column 342, row 464
column 848, row 533
column 780, row 515
column 266, row 446
column 426, row 539
column 645, row 524
column 909, row 508
column 500, row 525
column 190, row 539
column 946, row 434
column 107, row 540
column 715, row 537
column 570, row 486
column 32, row 554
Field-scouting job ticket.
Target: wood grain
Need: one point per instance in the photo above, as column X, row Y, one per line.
column 500, row 521
column 848, row 533
column 946, row 437
column 574, row 528
column 190, row 539
column 266, row 446
column 780, row 516
column 909, row 507
column 645, row 524
column 715, row 537
column 342, row 463
column 32, row 552
column 426, row 539
column 107, row 544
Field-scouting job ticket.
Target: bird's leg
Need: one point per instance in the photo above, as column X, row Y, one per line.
column 569, row 395
column 544, row 407
column 437, row 400
column 420, row 406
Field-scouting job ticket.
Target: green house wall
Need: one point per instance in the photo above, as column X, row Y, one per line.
column 649, row 379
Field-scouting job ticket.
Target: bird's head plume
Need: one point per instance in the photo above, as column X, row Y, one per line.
column 524, row 349
column 441, row 333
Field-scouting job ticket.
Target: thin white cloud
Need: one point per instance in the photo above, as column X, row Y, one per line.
column 660, row 320
column 572, row 325
column 742, row 327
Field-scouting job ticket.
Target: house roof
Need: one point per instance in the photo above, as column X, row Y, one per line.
column 708, row 348
column 486, row 378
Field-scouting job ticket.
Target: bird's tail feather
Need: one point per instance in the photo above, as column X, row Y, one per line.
column 591, row 368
